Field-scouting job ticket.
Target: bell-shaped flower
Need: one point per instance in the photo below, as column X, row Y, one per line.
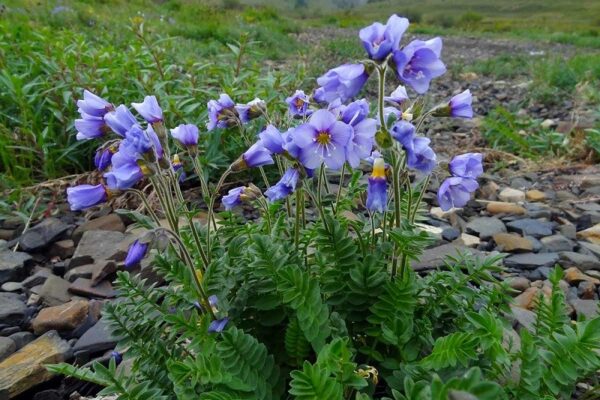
column 137, row 251
column 397, row 97
column 272, row 139
column 186, row 134
column 285, row 186
column 90, row 127
column 85, row 196
column 380, row 40
column 343, row 82
column 377, row 188
column 221, row 113
column 149, row 110
column 120, row 120
column 103, row 158
column 364, row 129
column 455, row 192
column 419, row 62
column 460, row 105
column 93, row 105
column 298, row 104
column 468, row 165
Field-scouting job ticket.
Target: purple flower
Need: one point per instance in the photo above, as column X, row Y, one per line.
column 221, row 113
column 233, row 198
column 456, row 192
column 380, row 40
column 218, row 325
column 323, row 139
column 86, row 196
column 403, row 132
column 421, row 157
column 186, row 134
column 289, row 144
column 125, row 170
column 149, row 109
column 256, row 156
column 298, row 104
column 90, row 127
column 377, row 188
column 419, row 62
column 102, row 158
column 249, row 111
column 120, row 120
column 137, row 251
column 391, row 111
column 138, row 140
column 285, row 186
column 272, row 139
column 460, row 105
column 93, row 105
column 397, row 97
column 343, row 82
column 118, row 357
column 467, row 165
column 177, row 165
column 364, row 129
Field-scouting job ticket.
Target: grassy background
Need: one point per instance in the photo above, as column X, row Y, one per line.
column 185, row 51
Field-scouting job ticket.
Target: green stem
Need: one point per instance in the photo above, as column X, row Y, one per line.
column 297, row 218
column 339, row 191
column 381, row 93
column 144, row 199
column 200, row 174
column 420, row 198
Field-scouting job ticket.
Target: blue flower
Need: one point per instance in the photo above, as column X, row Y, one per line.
column 380, row 40
column 102, row 159
column 467, row 165
column 456, row 192
column 120, row 120
column 323, row 139
column 90, row 127
column 272, row 139
column 421, row 157
column 419, row 62
column 149, row 109
column 86, row 196
column 249, row 111
column 343, row 82
column 256, row 156
column 377, row 188
column 218, row 325
column 364, row 129
column 93, row 105
column 125, row 171
column 397, row 97
column 233, row 198
column 298, row 104
column 403, row 132
column 285, row 186
column 221, row 113
column 118, row 357
column 186, row 134
column 137, row 251
column 460, row 105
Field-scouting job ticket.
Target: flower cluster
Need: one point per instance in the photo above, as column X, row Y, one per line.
column 456, row 190
column 224, row 113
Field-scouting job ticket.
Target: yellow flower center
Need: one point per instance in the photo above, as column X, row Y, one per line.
column 378, row 168
column 323, row 138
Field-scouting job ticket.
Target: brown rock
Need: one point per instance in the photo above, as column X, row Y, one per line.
column 518, row 283
column 511, row 195
column 535, row 195
column 467, row 240
column 528, row 298
column 586, row 290
column 84, row 287
column 25, row 368
column 63, row 318
column 591, row 234
column 489, row 191
column 574, row 276
column 63, row 249
column 499, row 207
column 110, row 222
column 83, row 271
column 104, row 271
column 513, row 243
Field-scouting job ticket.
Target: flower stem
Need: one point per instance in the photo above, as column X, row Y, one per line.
column 381, row 93
column 339, row 191
column 299, row 200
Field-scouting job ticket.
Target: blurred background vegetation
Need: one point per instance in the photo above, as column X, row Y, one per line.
column 186, row 52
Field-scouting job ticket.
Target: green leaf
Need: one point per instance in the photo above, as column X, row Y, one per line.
column 314, row 382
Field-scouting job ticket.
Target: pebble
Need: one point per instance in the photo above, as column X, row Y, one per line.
column 84, row 287
column 54, row 291
column 518, row 283
column 450, row 234
column 62, row 249
column 13, row 265
column 467, row 240
column 96, row 246
column 512, row 243
column 591, row 234
column 525, row 318
column 528, row 298
column 582, row 261
column 485, row 227
column 573, row 276
column 556, row 243
column 535, row 195
column 7, row 347
column 63, row 318
column 12, row 286
column 436, row 257
column 511, row 195
column 42, row 235
column 497, row 207
column 96, row 339
column 108, row 223
column 586, row 290
column 531, row 227
column 12, row 309
column 22, row 338
column 591, row 247
column 586, row 308
column 531, row 260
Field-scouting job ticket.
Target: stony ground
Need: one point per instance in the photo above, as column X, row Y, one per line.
column 56, row 276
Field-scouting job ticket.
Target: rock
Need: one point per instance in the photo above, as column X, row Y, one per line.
column 556, row 243
column 53, row 394
column 525, row 318
column 489, row 191
column 96, row 339
column 531, row 227
column 591, row 247
column 84, row 287
column 25, row 368
column 586, row 290
column 63, row 318
column 583, row 181
column 485, row 227
column 83, row 271
column 573, row 276
column 591, row 234
column 36, row 279
column 62, row 249
column 55, row 291
column 7, row 347
column 96, row 246
column 568, row 230
column 110, row 222
column 434, row 258
column 497, row 207
column 438, row 213
column 586, row 308
column 582, row 261
column 13, row 265
column 433, row 231
column 22, row 338
column 467, row 240
column 535, row 195
column 511, row 195
column 12, row 286
column 531, row 260
column 517, row 283
column 12, row 309
column 528, row 298
column 99, row 274
column 9, row 330
column 42, row 235
column 450, row 234
column 512, row 243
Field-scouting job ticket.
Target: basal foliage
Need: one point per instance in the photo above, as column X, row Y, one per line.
column 316, row 298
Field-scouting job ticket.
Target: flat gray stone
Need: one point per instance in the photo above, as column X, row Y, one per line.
column 556, row 243
column 55, row 291
column 42, row 235
column 12, row 286
column 531, row 227
column 583, row 262
column 36, row 279
column 531, row 260
column 587, row 308
column 524, row 318
column 96, row 339
column 485, row 227
column 7, row 347
column 435, row 257
column 22, row 338
column 12, row 309
column 96, row 246
column 13, row 265
column 591, row 247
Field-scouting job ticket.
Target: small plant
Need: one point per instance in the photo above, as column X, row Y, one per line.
column 315, row 299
